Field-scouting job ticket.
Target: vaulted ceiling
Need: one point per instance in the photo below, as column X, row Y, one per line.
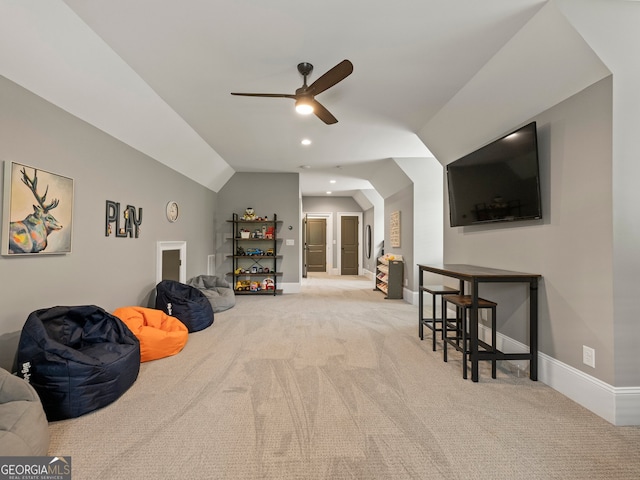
column 157, row 74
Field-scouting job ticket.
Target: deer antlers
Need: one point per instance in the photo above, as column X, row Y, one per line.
column 33, row 186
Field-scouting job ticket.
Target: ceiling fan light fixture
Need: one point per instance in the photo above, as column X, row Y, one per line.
column 304, row 96
column 303, row 106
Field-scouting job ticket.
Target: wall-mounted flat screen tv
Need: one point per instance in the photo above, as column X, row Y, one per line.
column 499, row 182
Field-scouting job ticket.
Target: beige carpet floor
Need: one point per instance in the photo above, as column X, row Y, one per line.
column 334, row 383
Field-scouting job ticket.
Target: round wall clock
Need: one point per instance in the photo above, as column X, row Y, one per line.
column 172, row 211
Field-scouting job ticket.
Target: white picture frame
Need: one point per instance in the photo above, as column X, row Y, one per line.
column 30, row 226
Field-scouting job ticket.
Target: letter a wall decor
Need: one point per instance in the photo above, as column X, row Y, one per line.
column 37, row 211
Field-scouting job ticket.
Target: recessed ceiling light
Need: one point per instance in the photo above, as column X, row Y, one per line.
column 332, row 181
column 305, row 141
column 329, row 192
column 305, row 166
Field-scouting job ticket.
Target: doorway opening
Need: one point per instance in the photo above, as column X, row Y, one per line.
column 171, row 261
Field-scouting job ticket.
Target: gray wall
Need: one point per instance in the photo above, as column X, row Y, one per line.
column 427, row 176
column 572, row 247
column 331, row 205
column 588, row 252
column 105, row 271
column 401, row 201
column 266, row 193
column 619, row 53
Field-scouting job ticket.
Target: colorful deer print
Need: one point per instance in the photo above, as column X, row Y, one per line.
column 30, row 235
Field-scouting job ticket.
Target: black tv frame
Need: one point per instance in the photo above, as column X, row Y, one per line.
column 509, row 154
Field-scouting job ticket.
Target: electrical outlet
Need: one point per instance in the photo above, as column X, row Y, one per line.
column 589, row 356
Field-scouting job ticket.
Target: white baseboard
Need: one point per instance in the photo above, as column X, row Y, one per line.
column 410, row 296
column 618, row 405
column 290, row 287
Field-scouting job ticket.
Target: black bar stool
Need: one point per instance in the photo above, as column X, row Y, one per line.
column 433, row 322
column 456, row 334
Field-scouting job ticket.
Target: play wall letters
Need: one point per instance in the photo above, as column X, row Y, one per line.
column 131, row 221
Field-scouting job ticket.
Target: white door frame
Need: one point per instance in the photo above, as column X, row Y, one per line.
column 173, row 245
column 339, row 236
column 328, row 216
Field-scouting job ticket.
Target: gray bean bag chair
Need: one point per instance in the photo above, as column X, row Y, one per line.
column 24, row 429
column 218, row 291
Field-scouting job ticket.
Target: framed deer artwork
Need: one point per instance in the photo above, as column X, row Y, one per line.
column 37, row 211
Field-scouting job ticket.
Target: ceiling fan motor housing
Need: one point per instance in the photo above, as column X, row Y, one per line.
column 305, row 68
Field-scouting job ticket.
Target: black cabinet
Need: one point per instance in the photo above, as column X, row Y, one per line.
column 255, row 255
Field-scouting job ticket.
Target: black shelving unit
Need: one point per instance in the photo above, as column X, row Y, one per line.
column 255, row 255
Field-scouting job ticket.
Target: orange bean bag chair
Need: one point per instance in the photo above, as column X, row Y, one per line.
column 159, row 334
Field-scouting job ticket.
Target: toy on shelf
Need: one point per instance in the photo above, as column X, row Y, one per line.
column 390, row 257
column 254, row 287
column 249, row 214
column 243, row 285
column 269, row 232
column 268, row 284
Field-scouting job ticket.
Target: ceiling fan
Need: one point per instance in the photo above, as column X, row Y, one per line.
column 304, row 96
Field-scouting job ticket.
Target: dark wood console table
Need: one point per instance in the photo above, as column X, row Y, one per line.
column 475, row 275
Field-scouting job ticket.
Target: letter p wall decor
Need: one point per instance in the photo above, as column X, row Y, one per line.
column 37, row 211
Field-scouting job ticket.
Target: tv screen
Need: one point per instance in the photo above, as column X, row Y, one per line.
column 499, row 182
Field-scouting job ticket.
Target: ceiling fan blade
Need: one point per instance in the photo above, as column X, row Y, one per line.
column 330, row 78
column 322, row 113
column 270, row 95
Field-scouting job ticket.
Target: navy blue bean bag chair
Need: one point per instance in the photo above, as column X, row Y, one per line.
column 186, row 303
column 78, row 359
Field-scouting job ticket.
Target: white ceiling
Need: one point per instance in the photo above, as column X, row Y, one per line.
column 158, row 74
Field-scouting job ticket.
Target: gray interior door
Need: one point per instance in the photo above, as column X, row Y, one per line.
column 171, row 265
column 316, row 245
column 349, row 241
